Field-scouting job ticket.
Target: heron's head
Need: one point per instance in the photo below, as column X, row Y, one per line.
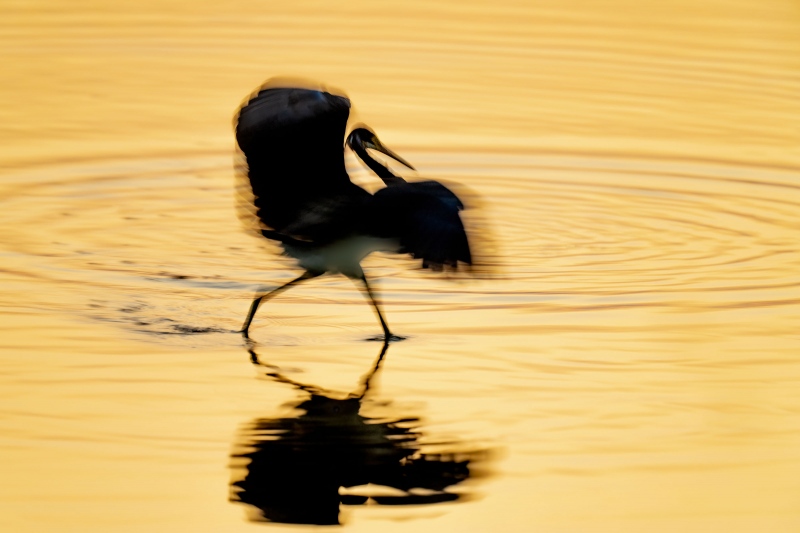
column 362, row 139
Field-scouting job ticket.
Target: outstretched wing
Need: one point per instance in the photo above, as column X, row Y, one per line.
column 293, row 142
column 424, row 217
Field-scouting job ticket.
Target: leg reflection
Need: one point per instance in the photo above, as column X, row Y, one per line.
column 301, row 469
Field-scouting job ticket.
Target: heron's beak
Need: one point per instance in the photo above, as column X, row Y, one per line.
column 373, row 143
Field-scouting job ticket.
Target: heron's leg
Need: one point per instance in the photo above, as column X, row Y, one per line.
column 388, row 337
column 376, row 306
column 254, row 306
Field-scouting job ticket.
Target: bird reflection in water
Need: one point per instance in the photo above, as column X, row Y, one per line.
column 300, row 469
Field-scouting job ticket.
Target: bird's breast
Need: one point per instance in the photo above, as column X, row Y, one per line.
column 340, row 257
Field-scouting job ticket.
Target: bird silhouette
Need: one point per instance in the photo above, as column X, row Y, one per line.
column 293, row 140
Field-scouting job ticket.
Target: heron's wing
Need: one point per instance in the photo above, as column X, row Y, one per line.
column 292, row 139
column 424, row 217
column 328, row 218
column 294, row 131
column 318, row 219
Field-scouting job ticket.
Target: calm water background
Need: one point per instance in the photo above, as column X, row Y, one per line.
column 635, row 368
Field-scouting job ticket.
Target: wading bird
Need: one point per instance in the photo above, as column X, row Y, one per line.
column 293, row 141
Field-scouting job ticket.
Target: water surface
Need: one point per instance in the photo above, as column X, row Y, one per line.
column 632, row 368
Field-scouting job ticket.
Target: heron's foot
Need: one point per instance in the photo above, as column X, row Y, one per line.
column 387, row 338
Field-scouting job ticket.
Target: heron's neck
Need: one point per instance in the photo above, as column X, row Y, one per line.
column 388, row 177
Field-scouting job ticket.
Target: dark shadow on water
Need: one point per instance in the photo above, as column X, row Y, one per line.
column 298, row 470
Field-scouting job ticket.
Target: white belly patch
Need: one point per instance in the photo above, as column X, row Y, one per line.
column 340, row 257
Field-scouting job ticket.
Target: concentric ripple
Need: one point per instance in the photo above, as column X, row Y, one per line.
column 160, row 245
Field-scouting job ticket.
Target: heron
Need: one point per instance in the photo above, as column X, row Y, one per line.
column 293, row 140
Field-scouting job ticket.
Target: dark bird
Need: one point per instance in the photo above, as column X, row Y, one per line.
column 293, row 140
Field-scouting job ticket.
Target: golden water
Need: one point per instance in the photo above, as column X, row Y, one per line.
column 634, row 368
